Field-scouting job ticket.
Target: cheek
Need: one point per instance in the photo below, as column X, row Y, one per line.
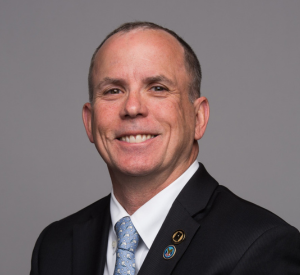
column 173, row 122
column 167, row 116
column 105, row 116
column 166, row 108
column 174, row 113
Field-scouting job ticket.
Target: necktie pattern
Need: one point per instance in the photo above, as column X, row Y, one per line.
column 128, row 240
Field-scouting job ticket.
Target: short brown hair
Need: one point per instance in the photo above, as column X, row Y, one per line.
column 191, row 60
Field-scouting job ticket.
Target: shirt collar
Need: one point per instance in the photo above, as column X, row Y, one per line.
column 149, row 218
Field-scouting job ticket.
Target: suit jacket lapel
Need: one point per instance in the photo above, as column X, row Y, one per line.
column 177, row 219
column 192, row 200
column 90, row 243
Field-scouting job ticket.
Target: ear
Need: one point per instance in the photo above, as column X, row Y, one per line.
column 87, row 117
column 202, row 114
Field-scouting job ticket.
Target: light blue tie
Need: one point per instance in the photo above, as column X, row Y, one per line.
column 128, row 240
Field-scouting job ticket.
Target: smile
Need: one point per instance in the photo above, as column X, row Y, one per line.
column 136, row 138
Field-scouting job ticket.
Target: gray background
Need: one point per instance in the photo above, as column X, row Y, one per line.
column 250, row 56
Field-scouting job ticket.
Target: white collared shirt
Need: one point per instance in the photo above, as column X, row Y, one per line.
column 147, row 220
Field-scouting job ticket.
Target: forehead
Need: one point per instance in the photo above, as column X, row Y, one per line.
column 139, row 50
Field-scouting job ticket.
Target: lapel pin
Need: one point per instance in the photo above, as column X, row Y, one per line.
column 178, row 237
column 169, row 252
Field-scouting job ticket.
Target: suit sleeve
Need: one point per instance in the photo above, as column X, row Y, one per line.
column 36, row 252
column 276, row 252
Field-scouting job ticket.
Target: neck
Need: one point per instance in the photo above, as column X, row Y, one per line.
column 134, row 191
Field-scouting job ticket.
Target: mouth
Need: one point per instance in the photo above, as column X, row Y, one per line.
column 136, row 138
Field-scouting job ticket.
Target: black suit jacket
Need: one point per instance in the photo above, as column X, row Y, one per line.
column 224, row 235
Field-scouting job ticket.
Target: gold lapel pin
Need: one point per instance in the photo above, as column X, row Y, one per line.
column 178, row 237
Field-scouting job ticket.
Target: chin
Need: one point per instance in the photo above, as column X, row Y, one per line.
column 137, row 168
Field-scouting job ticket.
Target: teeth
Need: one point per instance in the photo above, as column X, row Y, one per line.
column 132, row 139
column 136, row 139
column 144, row 137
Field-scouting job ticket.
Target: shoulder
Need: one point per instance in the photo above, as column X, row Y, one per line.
column 241, row 219
column 247, row 236
column 262, row 241
column 95, row 209
column 240, row 225
column 62, row 229
column 55, row 244
column 222, row 213
column 242, row 213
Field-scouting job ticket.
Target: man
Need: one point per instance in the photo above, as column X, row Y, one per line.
column 166, row 214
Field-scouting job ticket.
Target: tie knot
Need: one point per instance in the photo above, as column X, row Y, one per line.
column 128, row 237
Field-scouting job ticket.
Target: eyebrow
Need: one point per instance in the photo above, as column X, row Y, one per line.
column 158, row 78
column 109, row 80
column 122, row 82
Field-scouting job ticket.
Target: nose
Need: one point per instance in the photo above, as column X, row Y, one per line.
column 134, row 105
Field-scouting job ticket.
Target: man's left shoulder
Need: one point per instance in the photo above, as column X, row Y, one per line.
column 245, row 237
column 239, row 221
column 259, row 239
column 242, row 213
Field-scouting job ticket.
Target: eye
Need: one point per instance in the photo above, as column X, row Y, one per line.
column 158, row 88
column 113, row 91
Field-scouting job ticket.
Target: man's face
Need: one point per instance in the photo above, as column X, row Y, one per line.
column 141, row 119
